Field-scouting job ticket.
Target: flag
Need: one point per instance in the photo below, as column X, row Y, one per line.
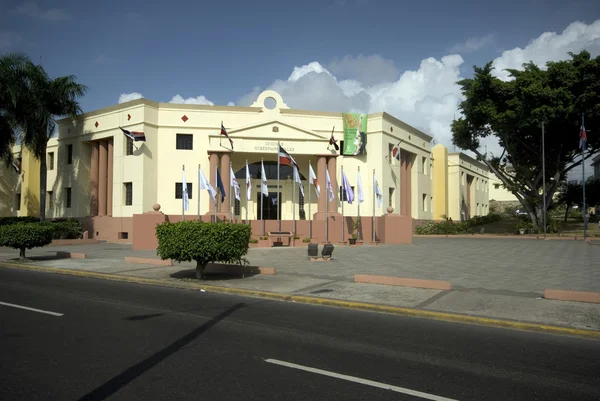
column 582, row 137
column 297, row 179
column 220, row 186
column 333, row 142
column 347, row 188
column 204, row 184
column 329, row 187
column 224, row 132
column 263, row 180
column 248, row 183
column 377, row 191
column 313, row 178
column 134, row 135
column 184, row 192
column 285, row 158
column 233, row 182
column 359, row 188
column 396, row 151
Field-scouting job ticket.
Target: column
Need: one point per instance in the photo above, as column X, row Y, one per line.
column 322, row 179
column 225, row 177
column 214, row 162
column 405, row 182
column 94, row 180
column 102, row 175
column 332, row 207
column 109, row 181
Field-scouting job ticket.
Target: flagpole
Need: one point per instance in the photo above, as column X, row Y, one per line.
column 343, row 193
column 248, row 178
column 583, row 176
column 294, row 198
column 199, row 192
column 373, row 222
column 327, row 209
column 543, row 176
column 230, row 179
column 183, row 195
column 278, row 201
column 358, row 222
column 216, row 182
column 262, row 222
column 309, row 214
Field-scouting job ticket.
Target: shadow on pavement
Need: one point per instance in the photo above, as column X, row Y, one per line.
column 133, row 372
column 219, row 272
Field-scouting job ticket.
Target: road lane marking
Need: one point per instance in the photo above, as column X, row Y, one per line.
column 31, row 309
column 361, row 381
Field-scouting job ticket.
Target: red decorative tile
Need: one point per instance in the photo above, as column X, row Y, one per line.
column 184, row 118
column 96, row 124
column 128, row 117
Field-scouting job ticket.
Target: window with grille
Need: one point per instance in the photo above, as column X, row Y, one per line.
column 128, row 193
column 179, row 190
column 236, row 208
column 69, row 154
column 51, row 161
column 185, row 141
column 344, row 196
column 129, row 150
column 50, row 199
column 18, row 201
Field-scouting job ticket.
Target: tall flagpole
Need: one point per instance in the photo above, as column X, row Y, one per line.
column 230, row 179
column 199, row 192
column 309, row 214
column 294, row 198
column 327, row 209
column 278, row 201
column 583, row 177
column 343, row 196
column 183, row 195
column 262, row 222
column 358, row 222
column 373, row 222
column 250, row 181
column 216, row 201
column 544, row 176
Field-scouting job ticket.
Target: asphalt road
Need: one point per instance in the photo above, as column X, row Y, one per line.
column 120, row 341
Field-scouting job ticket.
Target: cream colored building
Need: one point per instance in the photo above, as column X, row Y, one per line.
column 95, row 170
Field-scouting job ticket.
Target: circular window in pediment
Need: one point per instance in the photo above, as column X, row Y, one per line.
column 270, row 103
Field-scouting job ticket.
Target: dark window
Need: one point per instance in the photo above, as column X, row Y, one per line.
column 18, row 201
column 341, row 147
column 343, row 196
column 129, row 150
column 128, row 194
column 51, row 161
column 179, row 192
column 69, row 154
column 68, row 195
column 185, row 141
column 236, row 208
column 496, row 186
column 50, row 199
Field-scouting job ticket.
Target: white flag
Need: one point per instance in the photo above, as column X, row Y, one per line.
column 329, row 187
column 248, row 184
column 359, row 188
column 263, row 180
column 204, row 184
column 233, row 182
column 377, row 191
column 297, row 179
column 184, row 192
column 313, row 179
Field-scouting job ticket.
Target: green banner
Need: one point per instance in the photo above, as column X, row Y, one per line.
column 355, row 134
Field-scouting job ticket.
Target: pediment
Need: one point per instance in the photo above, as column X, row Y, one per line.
column 276, row 129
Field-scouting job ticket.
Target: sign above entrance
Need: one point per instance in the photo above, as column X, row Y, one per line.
column 271, row 146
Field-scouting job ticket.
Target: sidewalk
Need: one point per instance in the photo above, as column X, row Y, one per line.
column 502, row 279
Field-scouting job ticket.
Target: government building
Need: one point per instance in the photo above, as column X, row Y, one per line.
column 99, row 174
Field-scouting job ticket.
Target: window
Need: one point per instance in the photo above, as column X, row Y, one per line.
column 129, row 147
column 179, row 192
column 424, row 202
column 341, row 147
column 343, row 195
column 185, row 141
column 18, row 201
column 68, row 197
column 390, row 149
column 496, row 186
column 69, row 154
column 424, row 161
column 51, row 161
column 236, row 207
column 462, row 178
column 50, row 199
column 128, row 187
column 391, row 197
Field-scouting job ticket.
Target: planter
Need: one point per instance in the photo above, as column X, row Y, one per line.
column 352, row 241
column 522, row 231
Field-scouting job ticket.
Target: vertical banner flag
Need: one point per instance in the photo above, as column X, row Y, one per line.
column 313, row 178
column 359, row 188
column 347, row 188
column 220, row 186
column 378, row 193
column 297, row 179
column 329, row 187
column 355, row 134
column 396, row 152
column 184, row 192
column 248, row 183
column 204, row 184
column 264, row 188
column 234, row 183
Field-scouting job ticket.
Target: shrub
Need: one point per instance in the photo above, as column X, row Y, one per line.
column 203, row 242
column 4, row 221
column 254, row 241
column 306, row 240
column 67, row 229
column 24, row 236
column 443, row 228
column 480, row 220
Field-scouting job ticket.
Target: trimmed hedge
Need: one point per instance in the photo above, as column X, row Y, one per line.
column 487, row 219
column 24, row 236
column 5, row 221
column 63, row 228
column 443, row 228
column 205, row 243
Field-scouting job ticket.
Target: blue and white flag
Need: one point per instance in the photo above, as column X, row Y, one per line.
column 359, row 188
column 347, row 188
column 220, row 186
column 184, row 193
column 204, row 184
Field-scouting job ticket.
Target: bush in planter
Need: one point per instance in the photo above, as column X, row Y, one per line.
column 306, row 240
column 4, row 221
column 447, row 227
column 203, row 242
column 24, row 236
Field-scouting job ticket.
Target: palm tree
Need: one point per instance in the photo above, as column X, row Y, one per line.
column 34, row 101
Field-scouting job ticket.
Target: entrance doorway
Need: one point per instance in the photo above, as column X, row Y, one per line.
column 269, row 205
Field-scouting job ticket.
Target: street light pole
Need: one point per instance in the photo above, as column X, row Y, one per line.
column 544, row 176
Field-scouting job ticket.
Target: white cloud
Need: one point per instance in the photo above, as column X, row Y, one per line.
column 191, row 100
column 31, row 9
column 369, row 70
column 230, row 104
column 472, row 44
column 126, row 97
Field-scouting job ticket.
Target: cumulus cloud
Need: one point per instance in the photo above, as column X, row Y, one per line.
column 31, row 9
column 126, row 97
column 191, row 100
column 230, row 104
column 472, row 44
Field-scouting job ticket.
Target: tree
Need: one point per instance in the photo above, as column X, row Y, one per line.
column 571, row 193
column 31, row 102
column 24, row 236
column 513, row 111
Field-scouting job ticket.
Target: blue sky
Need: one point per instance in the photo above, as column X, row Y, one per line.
column 385, row 55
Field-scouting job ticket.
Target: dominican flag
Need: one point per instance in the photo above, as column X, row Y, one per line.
column 224, row 132
column 220, row 186
column 333, row 142
column 396, row 152
column 582, row 137
column 285, row 158
column 135, row 136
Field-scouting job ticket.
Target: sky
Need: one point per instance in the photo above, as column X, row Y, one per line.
column 400, row 57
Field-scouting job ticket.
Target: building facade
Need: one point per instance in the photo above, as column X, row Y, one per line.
column 97, row 172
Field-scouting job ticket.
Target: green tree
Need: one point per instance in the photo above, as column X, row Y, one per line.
column 24, row 236
column 513, row 111
column 30, row 103
column 571, row 193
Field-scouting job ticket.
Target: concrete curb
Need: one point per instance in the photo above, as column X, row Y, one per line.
column 149, row 261
column 418, row 313
column 403, row 282
column 72, row 255
column 578, row 296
